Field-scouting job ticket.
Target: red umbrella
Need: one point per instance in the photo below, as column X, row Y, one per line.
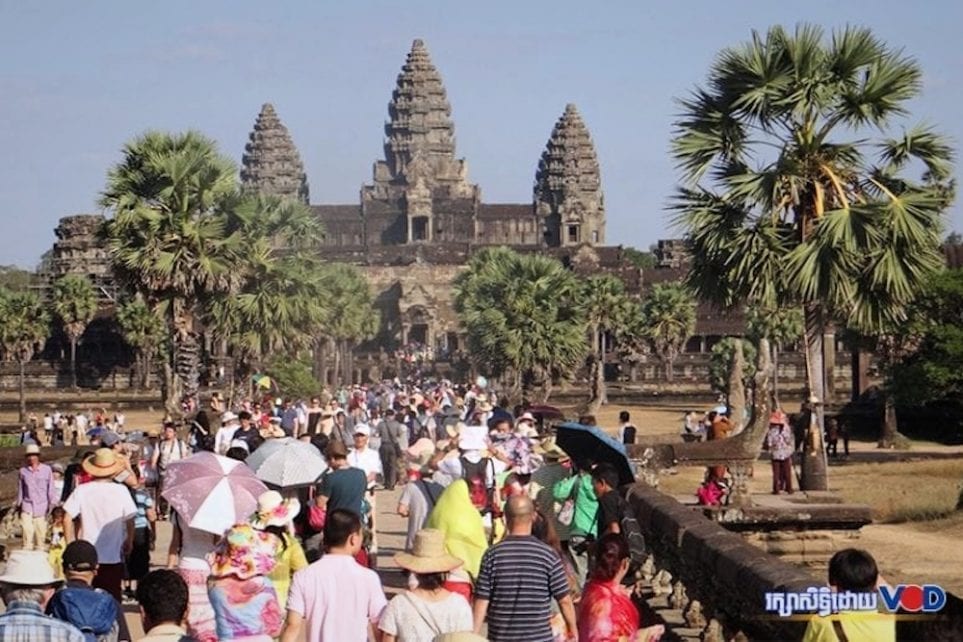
column 210, row 492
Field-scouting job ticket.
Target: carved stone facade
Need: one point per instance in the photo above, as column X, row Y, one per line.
column 271, row 163
column 78, row 250
column 568, row 185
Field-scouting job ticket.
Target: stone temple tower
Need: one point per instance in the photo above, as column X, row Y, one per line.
column 271, row 164
column 568, row 186
column 419, row 175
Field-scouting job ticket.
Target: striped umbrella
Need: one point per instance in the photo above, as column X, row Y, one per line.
column 287, row 463
column 211, row 493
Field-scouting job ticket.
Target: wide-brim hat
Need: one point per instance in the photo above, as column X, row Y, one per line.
column 103, row 463
column 31, row 449
column 428, row 555
column 29, row 568
column 228, row 417
column 274, row 510
column 551, row 451
column 527, row 416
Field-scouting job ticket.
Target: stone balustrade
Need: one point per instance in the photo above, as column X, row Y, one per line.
column 717, row 578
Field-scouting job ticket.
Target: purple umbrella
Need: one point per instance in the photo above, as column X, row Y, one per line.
column 211, row 493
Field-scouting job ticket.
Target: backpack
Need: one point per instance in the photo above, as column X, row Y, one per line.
column 478, row 490
column 93, row 611
column 632, row 532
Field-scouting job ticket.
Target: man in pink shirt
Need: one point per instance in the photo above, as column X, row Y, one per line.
column 340, row 600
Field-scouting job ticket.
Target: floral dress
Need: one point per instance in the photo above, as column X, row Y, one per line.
column 606, row 614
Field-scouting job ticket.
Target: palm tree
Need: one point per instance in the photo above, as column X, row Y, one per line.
column 782, row 326
column 603, row 299
column 143, row 330
column 522, row 318
column 668, row 318
column 791, row 198
column 75, row 303
column 24, row 327
column 169, row 238
column 349, row 315
column 281, row 302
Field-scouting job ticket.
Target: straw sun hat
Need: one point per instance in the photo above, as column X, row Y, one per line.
column 428, row 554
column 29, row 568
column 274, row 510
column 103, row 463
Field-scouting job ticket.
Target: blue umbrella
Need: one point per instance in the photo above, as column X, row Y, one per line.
column 591, row 443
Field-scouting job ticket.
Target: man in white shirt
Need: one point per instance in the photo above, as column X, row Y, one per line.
column 106, row 513
column 225, row 434
column 362, row 457
column 368, row 460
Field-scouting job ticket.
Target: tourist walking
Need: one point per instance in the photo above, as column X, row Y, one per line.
column 605, row 611
column 105, row 513
column 187, row 553
column 27, row 584
column 426, row 609
column 145, row 525
column 275, row 516
column 162, row 596
column 36, row 496
column 335, row 599
column 394, row 440
column 244, row 600
column 627, row 429
column 579, row 508
column 465, row 537
column 519, row 577
column 169, row 448
column 90, row 609
column 417, row 501
column 781, row 446
column 225, row 434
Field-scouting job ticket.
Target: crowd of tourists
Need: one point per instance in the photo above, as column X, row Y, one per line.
column 508, row 536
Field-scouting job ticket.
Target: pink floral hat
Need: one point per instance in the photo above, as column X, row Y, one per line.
column 244, row 552
column 274, row 510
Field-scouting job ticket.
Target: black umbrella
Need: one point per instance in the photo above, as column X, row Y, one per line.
column 591, row 443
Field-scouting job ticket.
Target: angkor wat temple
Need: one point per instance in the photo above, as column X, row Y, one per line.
column 420, row 219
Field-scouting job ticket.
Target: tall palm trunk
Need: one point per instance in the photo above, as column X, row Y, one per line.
column 23, row 398
column 775, row 375
column 73, row 361
column 814, row 464
column 597, row 393
column 887, row 438
column 337, row 367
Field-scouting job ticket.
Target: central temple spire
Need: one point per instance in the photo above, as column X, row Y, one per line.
column 420, row 135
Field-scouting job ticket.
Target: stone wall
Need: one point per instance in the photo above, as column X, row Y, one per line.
column 715, row 574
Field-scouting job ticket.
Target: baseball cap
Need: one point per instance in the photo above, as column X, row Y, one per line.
column 80, row 555
column 362, row 429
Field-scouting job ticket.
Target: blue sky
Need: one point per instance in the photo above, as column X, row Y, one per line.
column 78, row 79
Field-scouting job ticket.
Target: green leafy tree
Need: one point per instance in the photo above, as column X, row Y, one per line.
column 144, row 331
column 293, row 377
column 281, row 302
column 24, row 327
column 604, row 301
column 522, row 318
column 792, row 197
column 640, row 259
column 668, row 320
column 74, row 302
column 169, row 240
column 350, row 316
column 782, row 326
